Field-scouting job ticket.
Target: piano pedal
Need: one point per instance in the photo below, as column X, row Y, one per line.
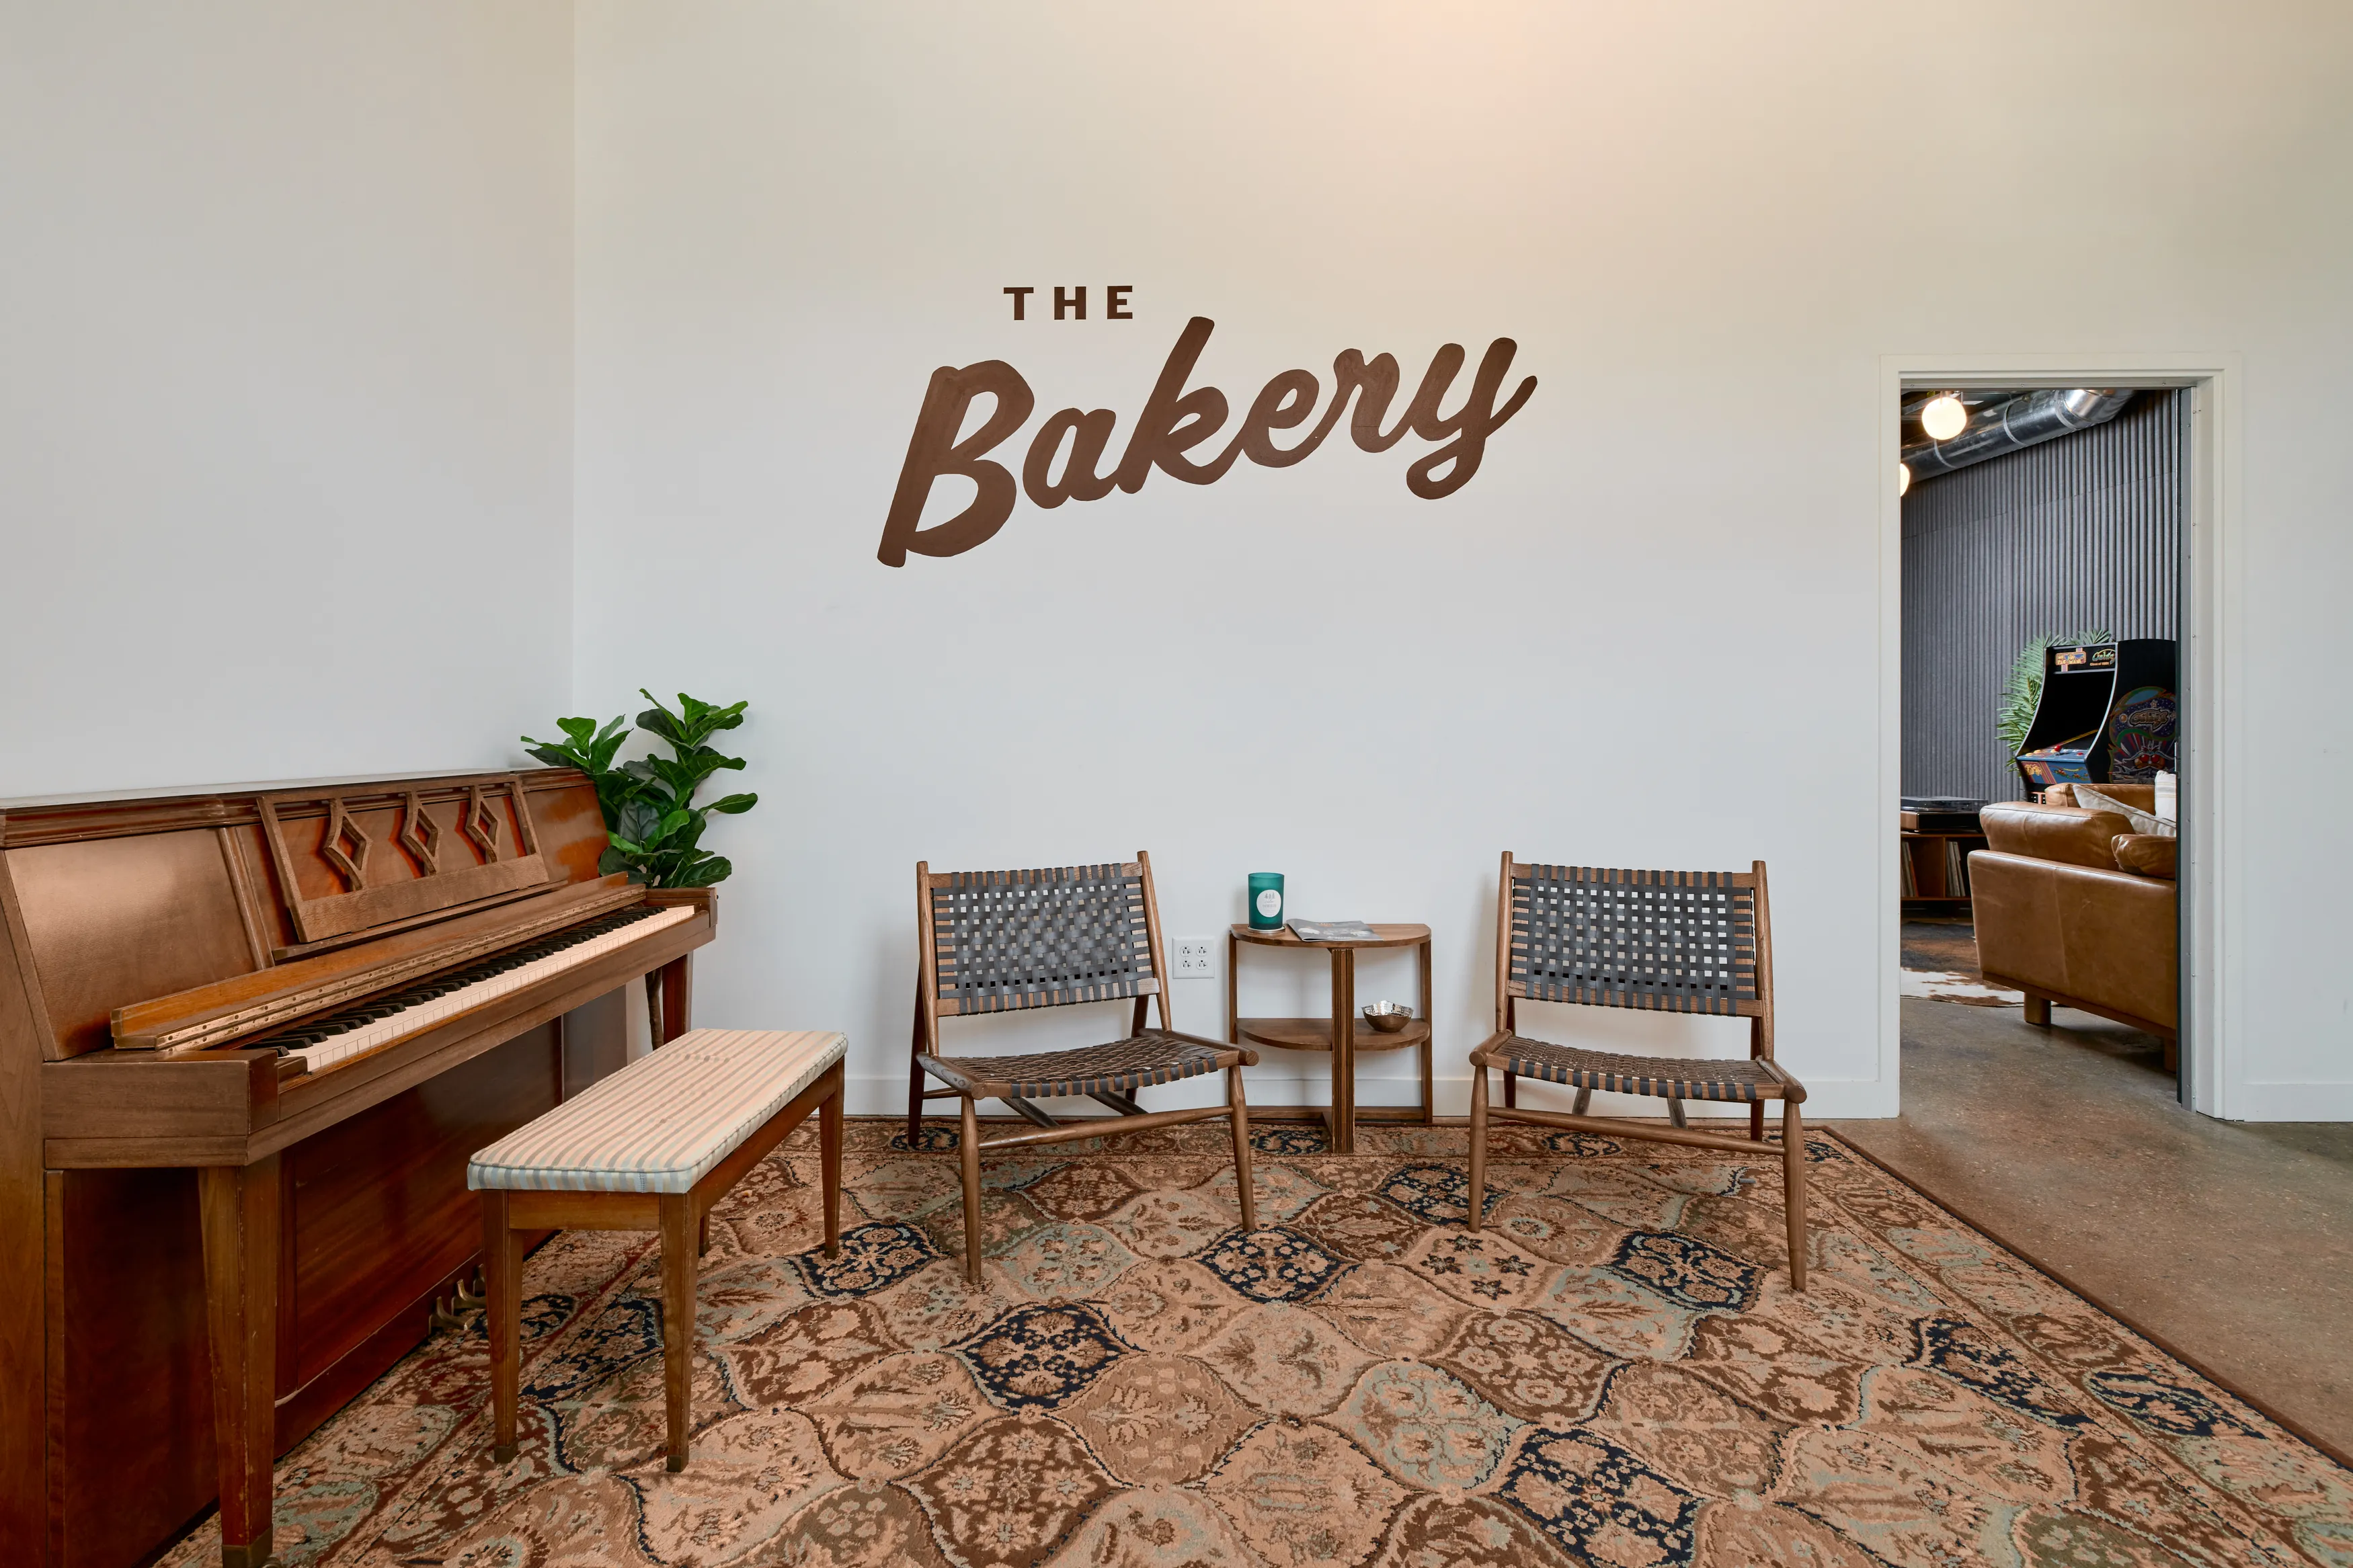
column 463, row 1306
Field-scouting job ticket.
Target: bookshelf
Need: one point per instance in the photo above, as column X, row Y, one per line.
column 1934, row 866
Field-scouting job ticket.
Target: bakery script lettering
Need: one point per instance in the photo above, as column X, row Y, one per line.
column 1173, row 422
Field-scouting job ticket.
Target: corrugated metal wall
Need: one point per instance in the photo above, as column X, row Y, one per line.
column 2083, row 531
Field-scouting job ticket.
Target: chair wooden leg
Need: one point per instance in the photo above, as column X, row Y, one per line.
column 1793, row 1188
column 968, row 1148
column 1675, row 1112
column 702, row 1237
column 1756, row 1121
column 1511, row 1091
column 678, row 1227
column 503, row 1320
column 1245, row 1186
column 1584, row 1099
column 1478, row 1147
column 915, row 1079
column 829, row 1132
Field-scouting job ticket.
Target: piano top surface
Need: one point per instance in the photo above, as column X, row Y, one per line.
column 243, row 791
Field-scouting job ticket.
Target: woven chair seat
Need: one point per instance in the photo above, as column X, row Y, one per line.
column 1155, row 1056
column 1670, row 1078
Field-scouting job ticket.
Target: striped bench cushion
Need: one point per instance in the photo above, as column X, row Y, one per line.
column 660, row 1124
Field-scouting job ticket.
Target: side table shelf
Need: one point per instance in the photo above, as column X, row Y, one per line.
column 1344, row 1034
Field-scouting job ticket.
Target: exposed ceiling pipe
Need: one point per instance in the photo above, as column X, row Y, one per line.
column 2015, row 423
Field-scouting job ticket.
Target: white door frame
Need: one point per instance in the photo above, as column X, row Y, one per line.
column 2212, row 634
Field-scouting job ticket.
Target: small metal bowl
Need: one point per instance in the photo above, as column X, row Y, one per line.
column 1388, row 1018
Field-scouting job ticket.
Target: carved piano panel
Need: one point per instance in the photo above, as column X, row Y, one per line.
column 348, row 860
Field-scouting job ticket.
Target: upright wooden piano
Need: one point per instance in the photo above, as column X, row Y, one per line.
column 248, row 1041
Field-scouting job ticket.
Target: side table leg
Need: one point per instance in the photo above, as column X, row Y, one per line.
column 1428, row 1045
column 1344, row 1050
column 240, row 1218
column 1233, row 990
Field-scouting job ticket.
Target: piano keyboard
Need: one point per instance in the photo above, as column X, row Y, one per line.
column 341, row 1035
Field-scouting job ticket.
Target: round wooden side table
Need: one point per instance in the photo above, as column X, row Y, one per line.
column 1344, row 1035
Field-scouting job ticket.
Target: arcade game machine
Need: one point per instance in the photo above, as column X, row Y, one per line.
column 2107, row 715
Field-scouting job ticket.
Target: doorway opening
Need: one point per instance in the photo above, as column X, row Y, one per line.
column 2043, row 561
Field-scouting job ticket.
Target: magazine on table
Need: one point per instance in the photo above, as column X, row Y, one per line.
column 1332, row 930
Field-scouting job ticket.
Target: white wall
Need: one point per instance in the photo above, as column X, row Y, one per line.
column 1647, row 633
column 285, row 388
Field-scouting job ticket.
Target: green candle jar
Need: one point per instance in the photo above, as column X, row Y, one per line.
column 1266, row 900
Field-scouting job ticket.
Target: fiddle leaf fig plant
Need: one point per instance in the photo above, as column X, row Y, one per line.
column 653, row 827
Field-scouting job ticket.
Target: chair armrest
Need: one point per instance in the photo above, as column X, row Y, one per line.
column 1489, row 1044
column 1792, row 1089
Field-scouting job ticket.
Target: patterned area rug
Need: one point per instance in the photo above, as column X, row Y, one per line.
column 1615, row 1373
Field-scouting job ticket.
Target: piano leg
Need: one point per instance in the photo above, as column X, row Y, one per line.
column 240, row 1240
column 677, row 992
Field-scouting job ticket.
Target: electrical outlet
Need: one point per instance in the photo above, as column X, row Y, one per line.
column 1197, row 958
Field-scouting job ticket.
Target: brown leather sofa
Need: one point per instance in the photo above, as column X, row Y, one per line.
column 2073, row 907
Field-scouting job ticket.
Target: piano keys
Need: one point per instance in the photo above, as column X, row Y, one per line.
column 247, row 1041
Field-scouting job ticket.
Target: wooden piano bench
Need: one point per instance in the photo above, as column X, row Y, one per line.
column 652, row 1147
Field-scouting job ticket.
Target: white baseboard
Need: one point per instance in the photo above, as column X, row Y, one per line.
column 2291, row 1102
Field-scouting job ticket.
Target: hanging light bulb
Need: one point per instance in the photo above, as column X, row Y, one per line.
column 1942, row 416
column 1902, row 479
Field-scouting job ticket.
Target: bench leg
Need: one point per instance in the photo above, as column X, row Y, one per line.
column 503, row 1320
column 968, row 1148
column 678, row 1256
column 1793, row 1189
column 1240, row 1117
column 829, row 1131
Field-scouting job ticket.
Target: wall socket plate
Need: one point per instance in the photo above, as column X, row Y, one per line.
column 1195, row 957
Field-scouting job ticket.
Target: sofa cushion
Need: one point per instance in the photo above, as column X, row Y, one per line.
column 2062, row 833
column 2147, row 854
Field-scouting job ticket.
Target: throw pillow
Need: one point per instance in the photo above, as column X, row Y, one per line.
column 2145, row 855
column 2089, row 797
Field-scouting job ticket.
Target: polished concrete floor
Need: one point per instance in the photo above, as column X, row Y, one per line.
column 2232, row 1243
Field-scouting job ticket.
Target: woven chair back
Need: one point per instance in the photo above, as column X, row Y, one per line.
column 1677, row 941
column 1007, row 939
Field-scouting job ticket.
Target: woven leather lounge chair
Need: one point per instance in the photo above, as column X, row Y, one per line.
column 995, row 941
column 1677, row 941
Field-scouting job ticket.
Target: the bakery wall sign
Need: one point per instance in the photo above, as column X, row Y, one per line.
column 1069, row 457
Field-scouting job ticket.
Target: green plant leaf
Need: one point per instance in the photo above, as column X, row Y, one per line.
column 733, row 805
column 703, row 873
column 641, row 821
